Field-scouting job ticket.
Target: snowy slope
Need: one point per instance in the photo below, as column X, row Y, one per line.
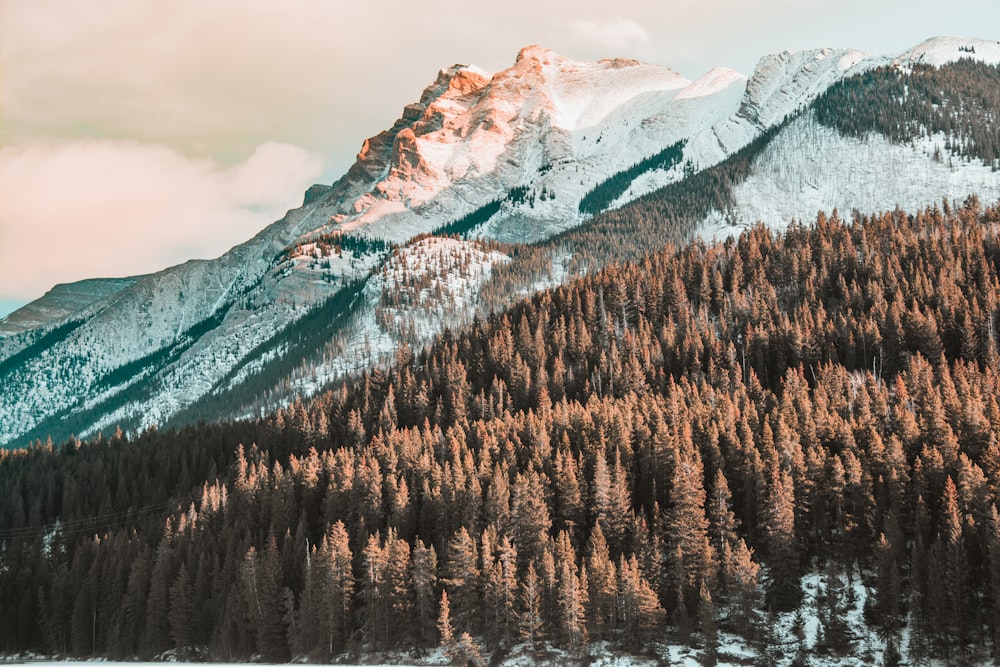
column 543, row 122
column 781, row 84
column 809, row 168
column 422, row 289
column 940, row 50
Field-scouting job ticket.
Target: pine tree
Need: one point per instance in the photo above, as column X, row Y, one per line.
column 783, row 592
column 398, row 587
column 530, row 608
column 375, row 592
column 882, row 610
column 832, row 611
column 462, row 580
column 500, row 579
column 265, row 600
column 641, row 613
column 709, row 632
column 571, row 600
column 618, row 518
column 569, row 513
column 310, row 622
column 602, row 578
column 955, row 569
column 446, row 633
column 423, row 566
column 155, row 636
column 181, row 614
column 742, row 575
column 529, row 515
column 339, row 572
column 686, row 524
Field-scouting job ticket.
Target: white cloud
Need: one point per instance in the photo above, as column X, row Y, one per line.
column 612, row 36
column 102, row 208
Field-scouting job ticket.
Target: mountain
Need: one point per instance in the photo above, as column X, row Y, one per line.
column 533, row 154
column 62, row 302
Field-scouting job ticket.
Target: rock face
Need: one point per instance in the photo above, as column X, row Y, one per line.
column 784, row 81
column 61, row 302
column 548, row 128
column 473, row 136
column 315, row 192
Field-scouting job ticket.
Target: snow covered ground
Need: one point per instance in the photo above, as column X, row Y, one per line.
column 810, row 168
column 421, row 290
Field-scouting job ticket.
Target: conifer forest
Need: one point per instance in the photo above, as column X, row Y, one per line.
column 656, row 451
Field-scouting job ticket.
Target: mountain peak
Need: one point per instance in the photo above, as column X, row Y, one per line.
column 783, row 81
column 542, row 54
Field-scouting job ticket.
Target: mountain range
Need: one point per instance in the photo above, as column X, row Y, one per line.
column 490, row 187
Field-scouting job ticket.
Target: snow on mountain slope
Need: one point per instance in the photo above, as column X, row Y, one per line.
column 809, row 168
column 937, row 51
column 473, row 137
column 420, row 290
column 168, row 318
column 781, row 84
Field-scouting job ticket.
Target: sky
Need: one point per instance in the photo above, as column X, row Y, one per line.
column 137, row 135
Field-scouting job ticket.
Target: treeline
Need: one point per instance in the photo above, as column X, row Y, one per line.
column 264, row 373
column 659, row 449
column 672, row 214
column 469, row 222
column 131, row 380
column 335, row 243
column 602, row 195
column 960, row 100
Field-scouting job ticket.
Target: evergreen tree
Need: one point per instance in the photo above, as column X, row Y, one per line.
column 709, row 631
column 423, row 565
column 686, row 524
column 783, row 590
column 602, row 578
column 571, row 600
column 181, row 615
column 530, row 608
column 462, row 580
column 265, row 601
column 530, row 517
column 446, row 632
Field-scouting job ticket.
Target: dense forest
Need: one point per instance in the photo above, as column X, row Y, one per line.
column 656, row 451
column 958, row 101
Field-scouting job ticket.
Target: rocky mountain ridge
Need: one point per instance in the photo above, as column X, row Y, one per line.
column 519, row 149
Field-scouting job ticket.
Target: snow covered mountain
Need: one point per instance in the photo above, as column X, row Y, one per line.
column 509, row 157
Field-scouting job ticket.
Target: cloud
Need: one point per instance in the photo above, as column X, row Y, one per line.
column 212, row 78
column 105, row 208
column 612, row 36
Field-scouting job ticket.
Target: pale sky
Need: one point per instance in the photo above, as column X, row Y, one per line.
column 136, row 135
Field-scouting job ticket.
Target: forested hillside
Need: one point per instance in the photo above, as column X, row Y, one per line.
column 957, row 102
column 656, row 452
